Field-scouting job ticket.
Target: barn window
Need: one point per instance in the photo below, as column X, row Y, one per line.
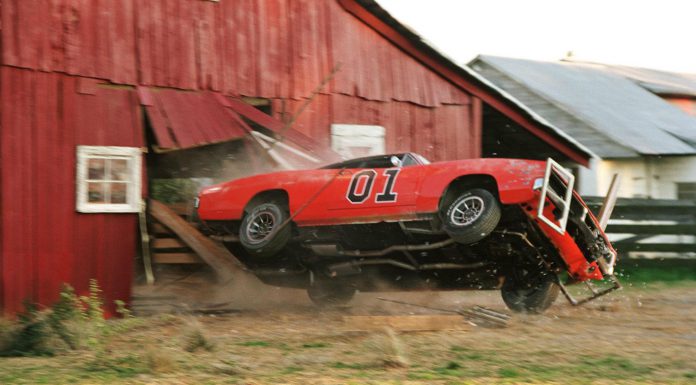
column 108, row 179
column 686, row 191
column 357, row 140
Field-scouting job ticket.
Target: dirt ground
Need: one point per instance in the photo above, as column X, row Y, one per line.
column 261, row 335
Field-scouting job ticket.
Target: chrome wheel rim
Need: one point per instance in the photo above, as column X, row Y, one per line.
column 260, row 226
column 467, row 211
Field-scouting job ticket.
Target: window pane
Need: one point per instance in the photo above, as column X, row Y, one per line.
column 118, row 192
column 686, row 191
column 119, row 169
column 95, row 169
column 95, row 193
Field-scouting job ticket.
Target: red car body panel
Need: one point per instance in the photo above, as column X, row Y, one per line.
column 327, row 189
column 320, row 197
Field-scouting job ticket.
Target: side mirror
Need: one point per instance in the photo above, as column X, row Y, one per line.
column 395, row 161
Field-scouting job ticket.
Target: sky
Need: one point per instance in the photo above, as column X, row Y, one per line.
column 658, row 34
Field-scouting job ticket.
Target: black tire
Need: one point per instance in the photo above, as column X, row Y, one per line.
column 471, row 225
column 530, row 298
column 329, row 295
column 259, row 233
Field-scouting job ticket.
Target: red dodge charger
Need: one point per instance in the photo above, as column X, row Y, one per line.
column 399, row 222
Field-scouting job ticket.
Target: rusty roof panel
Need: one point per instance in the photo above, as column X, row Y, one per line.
column 181, row 119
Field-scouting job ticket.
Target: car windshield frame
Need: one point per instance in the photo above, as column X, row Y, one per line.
column 380, row 161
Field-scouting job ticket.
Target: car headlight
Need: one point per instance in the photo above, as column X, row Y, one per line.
column 538, row 184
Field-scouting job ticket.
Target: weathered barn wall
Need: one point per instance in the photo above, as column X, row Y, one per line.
column 45, row 242
column 263, row 48
column 278, row 49
column 275, row 49
column 446, row 132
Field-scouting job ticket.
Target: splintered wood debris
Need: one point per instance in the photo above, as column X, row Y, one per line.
column 474, row 316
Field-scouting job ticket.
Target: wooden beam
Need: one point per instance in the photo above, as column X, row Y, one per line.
column 222, row 261
column 159, row 229
column 181, row 208
column 168, row 243
column 176, row 258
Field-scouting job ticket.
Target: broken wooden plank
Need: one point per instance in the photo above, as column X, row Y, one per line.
column 168, row 243
column 145, row 244
column 181, row 208
column 410, row 323
column 176, row 258
column 222, row 261
column 159, row 229
column 476, row 316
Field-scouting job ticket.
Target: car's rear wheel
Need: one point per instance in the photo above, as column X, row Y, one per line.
column 330, row 294
column 472, row 216
column 530, row 296
column 261, row 233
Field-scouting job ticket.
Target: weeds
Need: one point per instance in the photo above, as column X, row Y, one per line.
column 72, row 322
column 391, row 349
column 159, row 361
column 121, row 366
column 31, row 338
column 66, row 309
column 194, row 339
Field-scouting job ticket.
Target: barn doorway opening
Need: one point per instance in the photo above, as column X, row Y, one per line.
column 503, row 138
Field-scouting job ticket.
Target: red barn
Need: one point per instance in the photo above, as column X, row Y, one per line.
column 92, row 91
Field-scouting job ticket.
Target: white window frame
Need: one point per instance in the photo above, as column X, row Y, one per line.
column 133, row 155
column 345, row 136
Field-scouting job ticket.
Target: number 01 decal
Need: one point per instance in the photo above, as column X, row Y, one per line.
column 359, row 191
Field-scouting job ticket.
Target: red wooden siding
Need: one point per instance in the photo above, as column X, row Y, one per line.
column 261, row 48
column 53, row 50
column 44, row 241
column 446, row 132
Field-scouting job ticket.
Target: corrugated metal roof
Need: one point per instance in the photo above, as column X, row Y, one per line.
column 620, row 113
column 182, row 119
column 658, row 82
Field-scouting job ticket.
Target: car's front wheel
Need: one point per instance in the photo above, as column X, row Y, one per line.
column 263, row 231
column 530, row 296
column 472, row 216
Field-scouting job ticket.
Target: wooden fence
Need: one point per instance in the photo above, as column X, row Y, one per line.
column 651, row 225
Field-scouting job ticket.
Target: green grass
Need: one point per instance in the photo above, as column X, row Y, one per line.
column 255, row 343
column 353, row 366
column 102, row 370
column 536, row 349
column 638, row 271
column 314, row 345
column 117, row 367
column 291, row 370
